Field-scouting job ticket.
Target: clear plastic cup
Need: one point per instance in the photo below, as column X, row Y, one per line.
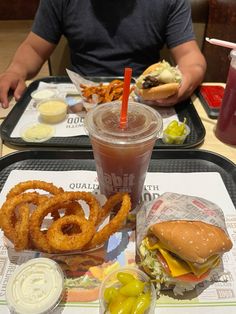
column 42, row 94
column 226, row 124
column 112, row 281
column 36, row 286
column 122, row 155
column 37, row 132
column 173, row 139
column 52, row 110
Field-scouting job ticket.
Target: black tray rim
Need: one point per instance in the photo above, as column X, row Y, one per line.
column 7, row 125
column 196, row 153
column 225, row 167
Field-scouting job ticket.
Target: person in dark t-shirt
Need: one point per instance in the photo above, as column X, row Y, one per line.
column 105, row 36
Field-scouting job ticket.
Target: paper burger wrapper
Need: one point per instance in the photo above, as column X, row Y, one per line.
column 173, row 206
column 78, row 79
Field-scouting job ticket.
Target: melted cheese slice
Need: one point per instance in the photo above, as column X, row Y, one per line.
column 179, row 267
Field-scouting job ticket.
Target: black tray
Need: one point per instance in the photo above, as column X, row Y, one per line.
column 163, row 160
column 183, row 109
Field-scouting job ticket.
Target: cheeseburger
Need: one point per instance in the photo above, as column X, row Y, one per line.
column 158, row 81
column 179, row 254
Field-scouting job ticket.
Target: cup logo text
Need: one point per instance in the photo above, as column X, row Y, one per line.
column 117, row 183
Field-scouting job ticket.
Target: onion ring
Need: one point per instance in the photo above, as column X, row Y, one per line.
column 116, row 222
column 21, row 240
column 39, row 239
column 8, row 212
column 64, row 242
column 33, row 185
column 71, row 208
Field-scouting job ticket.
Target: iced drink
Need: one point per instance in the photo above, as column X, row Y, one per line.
column 226, row 124
column 122, row 155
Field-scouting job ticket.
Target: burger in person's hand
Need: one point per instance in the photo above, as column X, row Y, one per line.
column 181, row 254
column 158, row 81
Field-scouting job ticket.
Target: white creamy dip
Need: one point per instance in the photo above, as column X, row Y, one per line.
column 52, row 110
column 35, row 287
column 43, row 94
column 37, row 132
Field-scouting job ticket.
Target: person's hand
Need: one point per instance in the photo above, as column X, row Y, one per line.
column 10, row 81
column 186, row 90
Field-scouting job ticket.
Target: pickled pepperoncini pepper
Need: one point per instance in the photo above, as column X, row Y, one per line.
column 175, row 132
column 131, row 295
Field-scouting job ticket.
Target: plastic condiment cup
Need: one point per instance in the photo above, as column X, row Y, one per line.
column 75, row 104
column 37, row 132
column 36, row 286
column 112, row 281
column 89, row 106
column 122, row 155
column 173, row 139
column 52, row 110
column 42, row 94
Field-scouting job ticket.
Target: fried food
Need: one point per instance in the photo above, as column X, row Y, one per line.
column 116, row 222
column 9, row 213
column 56, row 222
column 103, row 92
column 53, row 204
column 21, row 240
column 34, row 185
column 76, row 241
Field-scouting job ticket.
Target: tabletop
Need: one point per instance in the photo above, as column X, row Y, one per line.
column 210, row 143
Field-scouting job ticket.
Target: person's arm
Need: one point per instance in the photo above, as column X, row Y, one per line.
column 192, row 64
column 26, row 63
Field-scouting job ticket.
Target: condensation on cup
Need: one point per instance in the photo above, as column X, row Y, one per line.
column 122, row 156
column 226, row 123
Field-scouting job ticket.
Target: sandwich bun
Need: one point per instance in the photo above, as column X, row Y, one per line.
column 163, row 90
column 194, row 241
column 151, row 68
column 159, row 92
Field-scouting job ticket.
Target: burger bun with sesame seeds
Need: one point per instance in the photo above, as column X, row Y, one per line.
column 195, row 241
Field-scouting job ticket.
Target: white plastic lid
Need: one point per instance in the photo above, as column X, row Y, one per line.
column 43, row 94
column 37, row 132
column 103, row 123
column 35, row 287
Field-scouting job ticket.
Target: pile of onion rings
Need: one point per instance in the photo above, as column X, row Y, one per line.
column 24, row 213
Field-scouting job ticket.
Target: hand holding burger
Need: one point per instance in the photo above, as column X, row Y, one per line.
column 158, row 81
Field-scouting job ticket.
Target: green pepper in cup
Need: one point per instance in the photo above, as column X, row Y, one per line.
column 127, row 290
column 176, row 132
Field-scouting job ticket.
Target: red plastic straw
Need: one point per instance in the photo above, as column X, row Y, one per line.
column 125, row 98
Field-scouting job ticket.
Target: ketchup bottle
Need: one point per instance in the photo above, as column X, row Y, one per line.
column 226, row 123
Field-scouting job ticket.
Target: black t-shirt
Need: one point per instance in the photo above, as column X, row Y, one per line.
column 105, row 36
